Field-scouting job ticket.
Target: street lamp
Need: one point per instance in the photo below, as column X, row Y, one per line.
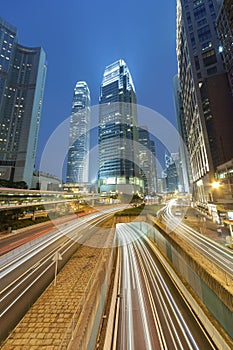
column 215, row 184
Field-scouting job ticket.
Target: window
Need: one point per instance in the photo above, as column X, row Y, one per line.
column 204, row 33
column 211, row 8
column 201, row 22
column 197, row 2
column 199, row 12
column 207, row 45
column 212, row 70
column 197, row 64
column 188, row 17
column 192, row 39
column 209, row 58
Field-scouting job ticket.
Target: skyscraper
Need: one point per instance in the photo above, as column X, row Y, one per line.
column 172, row 171
column 22, row 79
column 79, row 143
column 185, row 178
column 225, row 29
column 118, row 156
column 147, row 160
column 207, row 103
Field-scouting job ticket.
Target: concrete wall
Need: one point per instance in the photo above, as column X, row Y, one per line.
column 220, row 311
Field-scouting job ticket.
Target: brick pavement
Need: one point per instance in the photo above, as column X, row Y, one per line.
column 45, row 324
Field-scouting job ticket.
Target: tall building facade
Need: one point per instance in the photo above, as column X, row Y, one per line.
column 118, row 139
column 207, row 104
column 225, row 29
column 185, row 178
column 79, row 136
column 22, row 79
column 172, row 173
column 147, row 160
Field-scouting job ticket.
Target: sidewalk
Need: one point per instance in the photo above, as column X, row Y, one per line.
column 50, row 317
column 206, row 226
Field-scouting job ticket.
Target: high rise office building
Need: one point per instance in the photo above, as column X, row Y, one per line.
column 118, row 140
column 22, row 79
column 206, row 103
column 225, row 30
column 147, row 160
column 185, row 174
column 79, row 136
column 172, row 172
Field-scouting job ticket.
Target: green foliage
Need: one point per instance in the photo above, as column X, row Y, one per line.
column 9, row 218
column 10, row 184
column 15, row 225
column 131, row 211
column 148, row 209
column 152, row 209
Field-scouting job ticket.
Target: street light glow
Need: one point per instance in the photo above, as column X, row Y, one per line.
column 216, row 184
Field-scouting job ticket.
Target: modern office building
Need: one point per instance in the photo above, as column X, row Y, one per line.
column 225, row 30
column 22, row 79
column 206, row 102
column 147, row 160
column 185, row 179
column 154, row 176
column 172, row 173
column 79, row 136
column 118, row 140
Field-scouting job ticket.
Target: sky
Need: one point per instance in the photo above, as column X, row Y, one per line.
column 80, row 38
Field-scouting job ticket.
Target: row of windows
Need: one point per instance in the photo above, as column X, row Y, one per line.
column 197, row 2
column 209, row 58
column 204, row 33
column 199, row 12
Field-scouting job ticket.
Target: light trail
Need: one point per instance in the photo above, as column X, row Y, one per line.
column 21, row 274
column 153, row 315
column 221, row 257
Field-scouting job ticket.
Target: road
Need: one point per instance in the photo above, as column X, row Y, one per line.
column 27, row 271
column 220, row 257
column 15, row 240
column 152, row 314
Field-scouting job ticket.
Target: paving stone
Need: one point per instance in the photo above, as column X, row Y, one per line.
column 46, row 323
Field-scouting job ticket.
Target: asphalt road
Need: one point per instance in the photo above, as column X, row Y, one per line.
column 153, row 314
column 26, row 271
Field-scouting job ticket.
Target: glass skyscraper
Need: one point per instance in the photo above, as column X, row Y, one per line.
column 79, row 136
column 22, row 79
column 147, row 160
column 118, row 156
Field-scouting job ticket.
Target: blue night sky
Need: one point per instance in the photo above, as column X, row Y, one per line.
column 81, row 37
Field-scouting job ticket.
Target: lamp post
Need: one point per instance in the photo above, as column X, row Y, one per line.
column 57, row 256
column 214, row 187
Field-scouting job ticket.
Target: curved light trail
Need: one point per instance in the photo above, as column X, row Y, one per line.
column 153, row 313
